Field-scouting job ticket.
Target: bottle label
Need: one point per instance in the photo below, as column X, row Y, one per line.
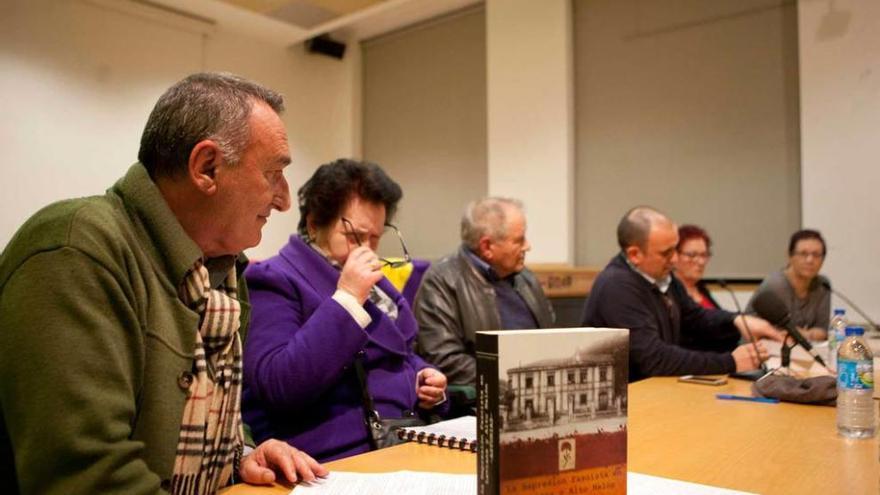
column 855, row 374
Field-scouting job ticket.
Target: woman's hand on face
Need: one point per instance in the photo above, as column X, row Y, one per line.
column 360, row 273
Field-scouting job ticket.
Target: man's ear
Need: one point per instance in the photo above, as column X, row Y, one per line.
column 634, row 255
column 204, row 159
column 484, row 248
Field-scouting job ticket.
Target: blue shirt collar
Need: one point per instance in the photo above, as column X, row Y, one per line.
column 484, row 268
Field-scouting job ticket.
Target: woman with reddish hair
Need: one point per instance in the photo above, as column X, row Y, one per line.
column 694, row 252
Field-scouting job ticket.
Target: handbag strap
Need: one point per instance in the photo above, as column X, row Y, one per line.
column 367, row 399
column 371, row 415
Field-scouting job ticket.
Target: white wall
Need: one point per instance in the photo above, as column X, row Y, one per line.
column 78, row 80
column 693, row 110
column 424, row 101
column 840, row 123
column 530, row 118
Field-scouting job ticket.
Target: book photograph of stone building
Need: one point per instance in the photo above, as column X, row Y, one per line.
column 559, row 391
column 585, row 384
column 562, row 411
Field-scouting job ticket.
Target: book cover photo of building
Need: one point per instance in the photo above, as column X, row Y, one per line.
column 561, row 411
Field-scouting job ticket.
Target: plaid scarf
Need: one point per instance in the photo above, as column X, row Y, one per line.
column 211, row 429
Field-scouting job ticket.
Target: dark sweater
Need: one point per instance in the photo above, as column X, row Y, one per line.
column 512, row 308
column 666, row 338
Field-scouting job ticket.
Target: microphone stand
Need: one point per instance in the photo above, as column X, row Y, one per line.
column 749, row 375
column 770, row 307
column 785, row 353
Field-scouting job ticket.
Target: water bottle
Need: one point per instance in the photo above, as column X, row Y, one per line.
column 836, row 334
column 855, row 386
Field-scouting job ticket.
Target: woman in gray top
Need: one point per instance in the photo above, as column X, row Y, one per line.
column 800, row 287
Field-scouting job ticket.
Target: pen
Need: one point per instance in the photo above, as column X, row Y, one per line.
column 747, row 398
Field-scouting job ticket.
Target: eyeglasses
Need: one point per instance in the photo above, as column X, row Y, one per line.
column 694, row 255
column 397, row 263
column 809, row 254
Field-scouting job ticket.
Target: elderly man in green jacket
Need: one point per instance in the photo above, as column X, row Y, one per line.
column 122, row 316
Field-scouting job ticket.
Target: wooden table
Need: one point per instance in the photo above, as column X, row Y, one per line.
column 681, row 431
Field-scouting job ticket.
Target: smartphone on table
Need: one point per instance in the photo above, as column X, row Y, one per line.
column 703, row 380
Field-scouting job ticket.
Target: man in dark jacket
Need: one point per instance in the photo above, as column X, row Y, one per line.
column 484, row 286
column 669, row 332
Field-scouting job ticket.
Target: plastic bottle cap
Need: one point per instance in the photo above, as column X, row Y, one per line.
column 839, row 311
column 857, row 331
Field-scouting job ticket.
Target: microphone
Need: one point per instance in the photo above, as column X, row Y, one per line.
column 772, row 309
column 723, row 284
column 861, row 313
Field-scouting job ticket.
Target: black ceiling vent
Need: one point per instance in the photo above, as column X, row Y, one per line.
column 326, row 46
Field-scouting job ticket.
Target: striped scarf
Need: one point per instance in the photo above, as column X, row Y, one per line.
column 211, row 429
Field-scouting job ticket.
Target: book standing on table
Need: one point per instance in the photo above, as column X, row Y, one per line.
column 551, row 411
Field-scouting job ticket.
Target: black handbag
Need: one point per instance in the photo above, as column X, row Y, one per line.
column 381, row 432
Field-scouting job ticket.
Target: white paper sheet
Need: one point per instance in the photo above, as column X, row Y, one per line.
column 802, row 362
column 418, row 483
column 397, row 482
column 643, row 484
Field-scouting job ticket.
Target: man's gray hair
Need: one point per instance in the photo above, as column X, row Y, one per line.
column 206, row 105
column 486, row 217
column 635, row 226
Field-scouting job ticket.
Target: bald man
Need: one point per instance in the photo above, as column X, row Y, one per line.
column 669, row 333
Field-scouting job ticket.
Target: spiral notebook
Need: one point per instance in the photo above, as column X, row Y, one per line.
column 459, row 433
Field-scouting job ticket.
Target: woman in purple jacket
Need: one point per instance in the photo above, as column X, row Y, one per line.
column 321, row 304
